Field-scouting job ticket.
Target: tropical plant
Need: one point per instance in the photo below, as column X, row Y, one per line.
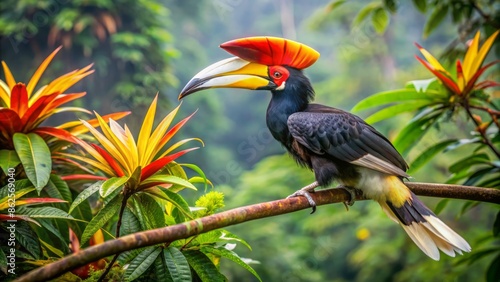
column 446, row 98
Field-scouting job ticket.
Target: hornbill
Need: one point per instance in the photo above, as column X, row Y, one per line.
column 335, row 144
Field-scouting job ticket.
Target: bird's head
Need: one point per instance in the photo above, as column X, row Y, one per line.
column 261, row 63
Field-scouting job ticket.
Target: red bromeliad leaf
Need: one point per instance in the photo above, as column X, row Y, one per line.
column 10, row 121
column 35, row 201
column 448, row 82
column 486, row 84
column 111, row 161
column 33, row 113
column 153, row 167
column 65, row 98
column 470, row 84
column 5, row 217
column 83, row 176
column 56, row 132
column 19, row 99
column 172, row 131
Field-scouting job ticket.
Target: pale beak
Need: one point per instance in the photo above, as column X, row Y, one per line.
column 230, row 73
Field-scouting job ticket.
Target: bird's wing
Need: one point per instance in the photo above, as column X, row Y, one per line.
column 344, row 136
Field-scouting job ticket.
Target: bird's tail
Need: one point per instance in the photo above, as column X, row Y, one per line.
column 425, row 229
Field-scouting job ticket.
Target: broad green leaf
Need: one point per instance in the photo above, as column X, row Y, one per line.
column 153, row 213
column 394, row 110
column 35, row 158
column 130, row 223
column 178, row 201
column 203, row 266
column 21, row 185
column 57, row 188
column 441, row 205
column 163, row 178
column 334, row 4
column 467, row 162
column 413, row 132
column 200, row 172
column 161, row 270
column 421, row 5
column 462, row 142
column 141, row 263
column 435, row 19
column 177, row 265
column 496, row 226
column 393, row 96
column 89, row 191
column 493, row 272
column 428, row 154
column 110, row 185
column 380, row 20
column 478, row 175
column 476, row 255
column 45, row 212
column 8, row 160
column 367, row 9
column 222, row 252
column 26, row 237
column 101, row 218
column 47, row 226
column 228, row 236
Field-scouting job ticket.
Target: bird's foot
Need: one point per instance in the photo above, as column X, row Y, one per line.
column 352, row 194
column 305, row 192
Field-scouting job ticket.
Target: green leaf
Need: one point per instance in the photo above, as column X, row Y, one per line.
column 334, row 4
column 414, row 131
column 441, row 205
column 222, row 252
column 178, row 201
column 151, row 210
column 428, row 154
column 203, row 266
column 57, row 188
column 435, row 19
column 393, row 96
column 226, row 235
column 3, row 261
column 89, row 191
column 380, row 20
column 496, row 226
column 177, row 265
column 394, row 110
column 51, row 248
column 467, row 162
column 110, row 185
column 130, row 223
column 391, row 5
column 101, row 218
column 27, row 238
column 161, row 270
column 493, row 272
column 45, row 212
column 164, row 178
column 47, row 225
column 200, row 173
column 8, row 159
column 361, row 16
column 35, row 158
column 421, row 5
column 141, row 263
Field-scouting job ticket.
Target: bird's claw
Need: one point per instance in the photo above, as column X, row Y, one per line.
column 352, row 196
column 307, row 195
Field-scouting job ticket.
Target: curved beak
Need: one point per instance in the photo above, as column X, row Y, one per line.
column 230, row 73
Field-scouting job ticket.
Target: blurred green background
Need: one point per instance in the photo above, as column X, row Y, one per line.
column 142, row 47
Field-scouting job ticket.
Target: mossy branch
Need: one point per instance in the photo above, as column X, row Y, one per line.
column 236, row 216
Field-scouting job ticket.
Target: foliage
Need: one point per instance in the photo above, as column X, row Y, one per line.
column 138, row 185
column 441, row 100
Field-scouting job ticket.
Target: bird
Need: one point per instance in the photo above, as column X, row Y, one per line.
column 335, row 144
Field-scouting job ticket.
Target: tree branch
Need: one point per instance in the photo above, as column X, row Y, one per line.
column 236, row 216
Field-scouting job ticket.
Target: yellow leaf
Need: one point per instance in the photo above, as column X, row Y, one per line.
column 470, row 57
column 482, row 53
column 9, row 78
column 180, row 143
column 107, row 144
column 101, row 164
column 38, row 73
column 157, row 135
column 132, row 145
column 5, row 93
column 433, row 61
column 145, row 132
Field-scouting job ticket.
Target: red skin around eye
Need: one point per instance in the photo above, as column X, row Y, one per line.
column 278, row 74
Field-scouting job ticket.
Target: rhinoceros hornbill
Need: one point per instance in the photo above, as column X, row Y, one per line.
column 335, row 144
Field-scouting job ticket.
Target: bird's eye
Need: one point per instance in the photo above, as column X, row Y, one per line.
column 277, row 74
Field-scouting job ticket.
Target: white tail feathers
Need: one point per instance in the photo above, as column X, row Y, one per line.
column 429, row 234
